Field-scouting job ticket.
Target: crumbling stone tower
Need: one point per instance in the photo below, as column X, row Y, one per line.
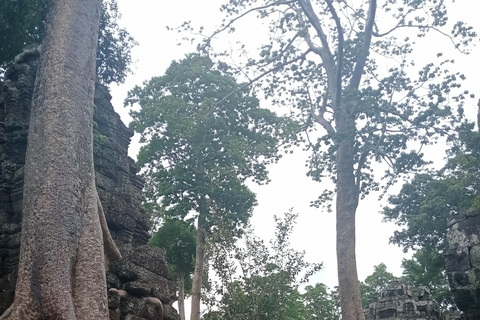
column 402, row 301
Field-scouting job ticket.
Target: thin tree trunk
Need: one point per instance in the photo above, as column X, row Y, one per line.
column 61, row 271
column 181, row 294
column 347, row 202
column 199, row 262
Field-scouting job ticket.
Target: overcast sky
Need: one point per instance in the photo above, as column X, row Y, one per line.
column 146, row 20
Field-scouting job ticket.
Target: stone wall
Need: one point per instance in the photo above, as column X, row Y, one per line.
column 402, row 301
column 139, row 281
column 462, row 261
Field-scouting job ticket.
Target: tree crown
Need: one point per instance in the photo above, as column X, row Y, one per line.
column 205, row 136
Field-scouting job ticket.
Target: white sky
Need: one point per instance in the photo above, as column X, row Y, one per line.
column 146, row 20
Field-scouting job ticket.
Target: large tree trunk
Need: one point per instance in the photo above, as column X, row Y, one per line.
column 347, row 202
column 197, row 275
column 181, row 294
column 199, row 262
column 61, row 271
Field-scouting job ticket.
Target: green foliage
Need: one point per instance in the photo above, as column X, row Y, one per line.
column 374, row 283
column 205, row 136
column 427, row 268
column 393, row 114
column 22, row 23
column 321, row 303
column 114, row 46
column 262, row 282
column 178, row 239
column 423, row 207
column 422, row 210
column 100, row 139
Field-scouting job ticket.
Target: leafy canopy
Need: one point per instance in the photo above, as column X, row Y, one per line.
column 332, row 60
column 21, row 23
column 321, row 303
column 205, row 136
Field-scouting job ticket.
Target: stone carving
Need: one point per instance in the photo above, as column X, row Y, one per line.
column 139, row 284
column 402, row 301
column 462, row 262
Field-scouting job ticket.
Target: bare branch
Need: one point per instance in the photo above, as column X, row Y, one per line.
column 323, row 51
column 338, row 84
column 418, row 26
column 307, row 9
column 362, row 57
column 319, row 118
column 306, row 36
column 231, row 22
column 358, row 172
column 263, row 74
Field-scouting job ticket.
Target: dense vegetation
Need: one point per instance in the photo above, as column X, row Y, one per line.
column 22, row 24
column 206, row 137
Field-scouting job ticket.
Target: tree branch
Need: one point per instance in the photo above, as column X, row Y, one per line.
column 319, row 118
column 358, row 172
column 306, row 36
column 362, row 58
column 418, row 26
column 315, row 21
column 338, row 84
column 281, row 65
column 323, row 51
column 231, row 22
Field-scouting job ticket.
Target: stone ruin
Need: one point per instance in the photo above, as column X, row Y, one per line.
column 140, row 280
column 402, row 301
column 462, row 262
column 462, row 259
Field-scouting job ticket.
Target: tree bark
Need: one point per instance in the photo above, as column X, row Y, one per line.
column 346, row 206
column 61, row 271
column 181, row 294
column 199, row 262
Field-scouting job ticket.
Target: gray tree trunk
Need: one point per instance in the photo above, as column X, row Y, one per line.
column 197, row 275
column 199, row 262
column 181, row 294
column 61, row 269
column 346, row 206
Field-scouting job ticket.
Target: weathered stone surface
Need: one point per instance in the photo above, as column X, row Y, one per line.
column 137, row 277
column 462, row 261
column 402, row 301
column 140, row 280
column 15, row 100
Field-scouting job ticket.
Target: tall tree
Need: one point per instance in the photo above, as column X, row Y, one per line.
column 323, row 57
column 178, row 239
column 61, row 272
column 205, row 136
